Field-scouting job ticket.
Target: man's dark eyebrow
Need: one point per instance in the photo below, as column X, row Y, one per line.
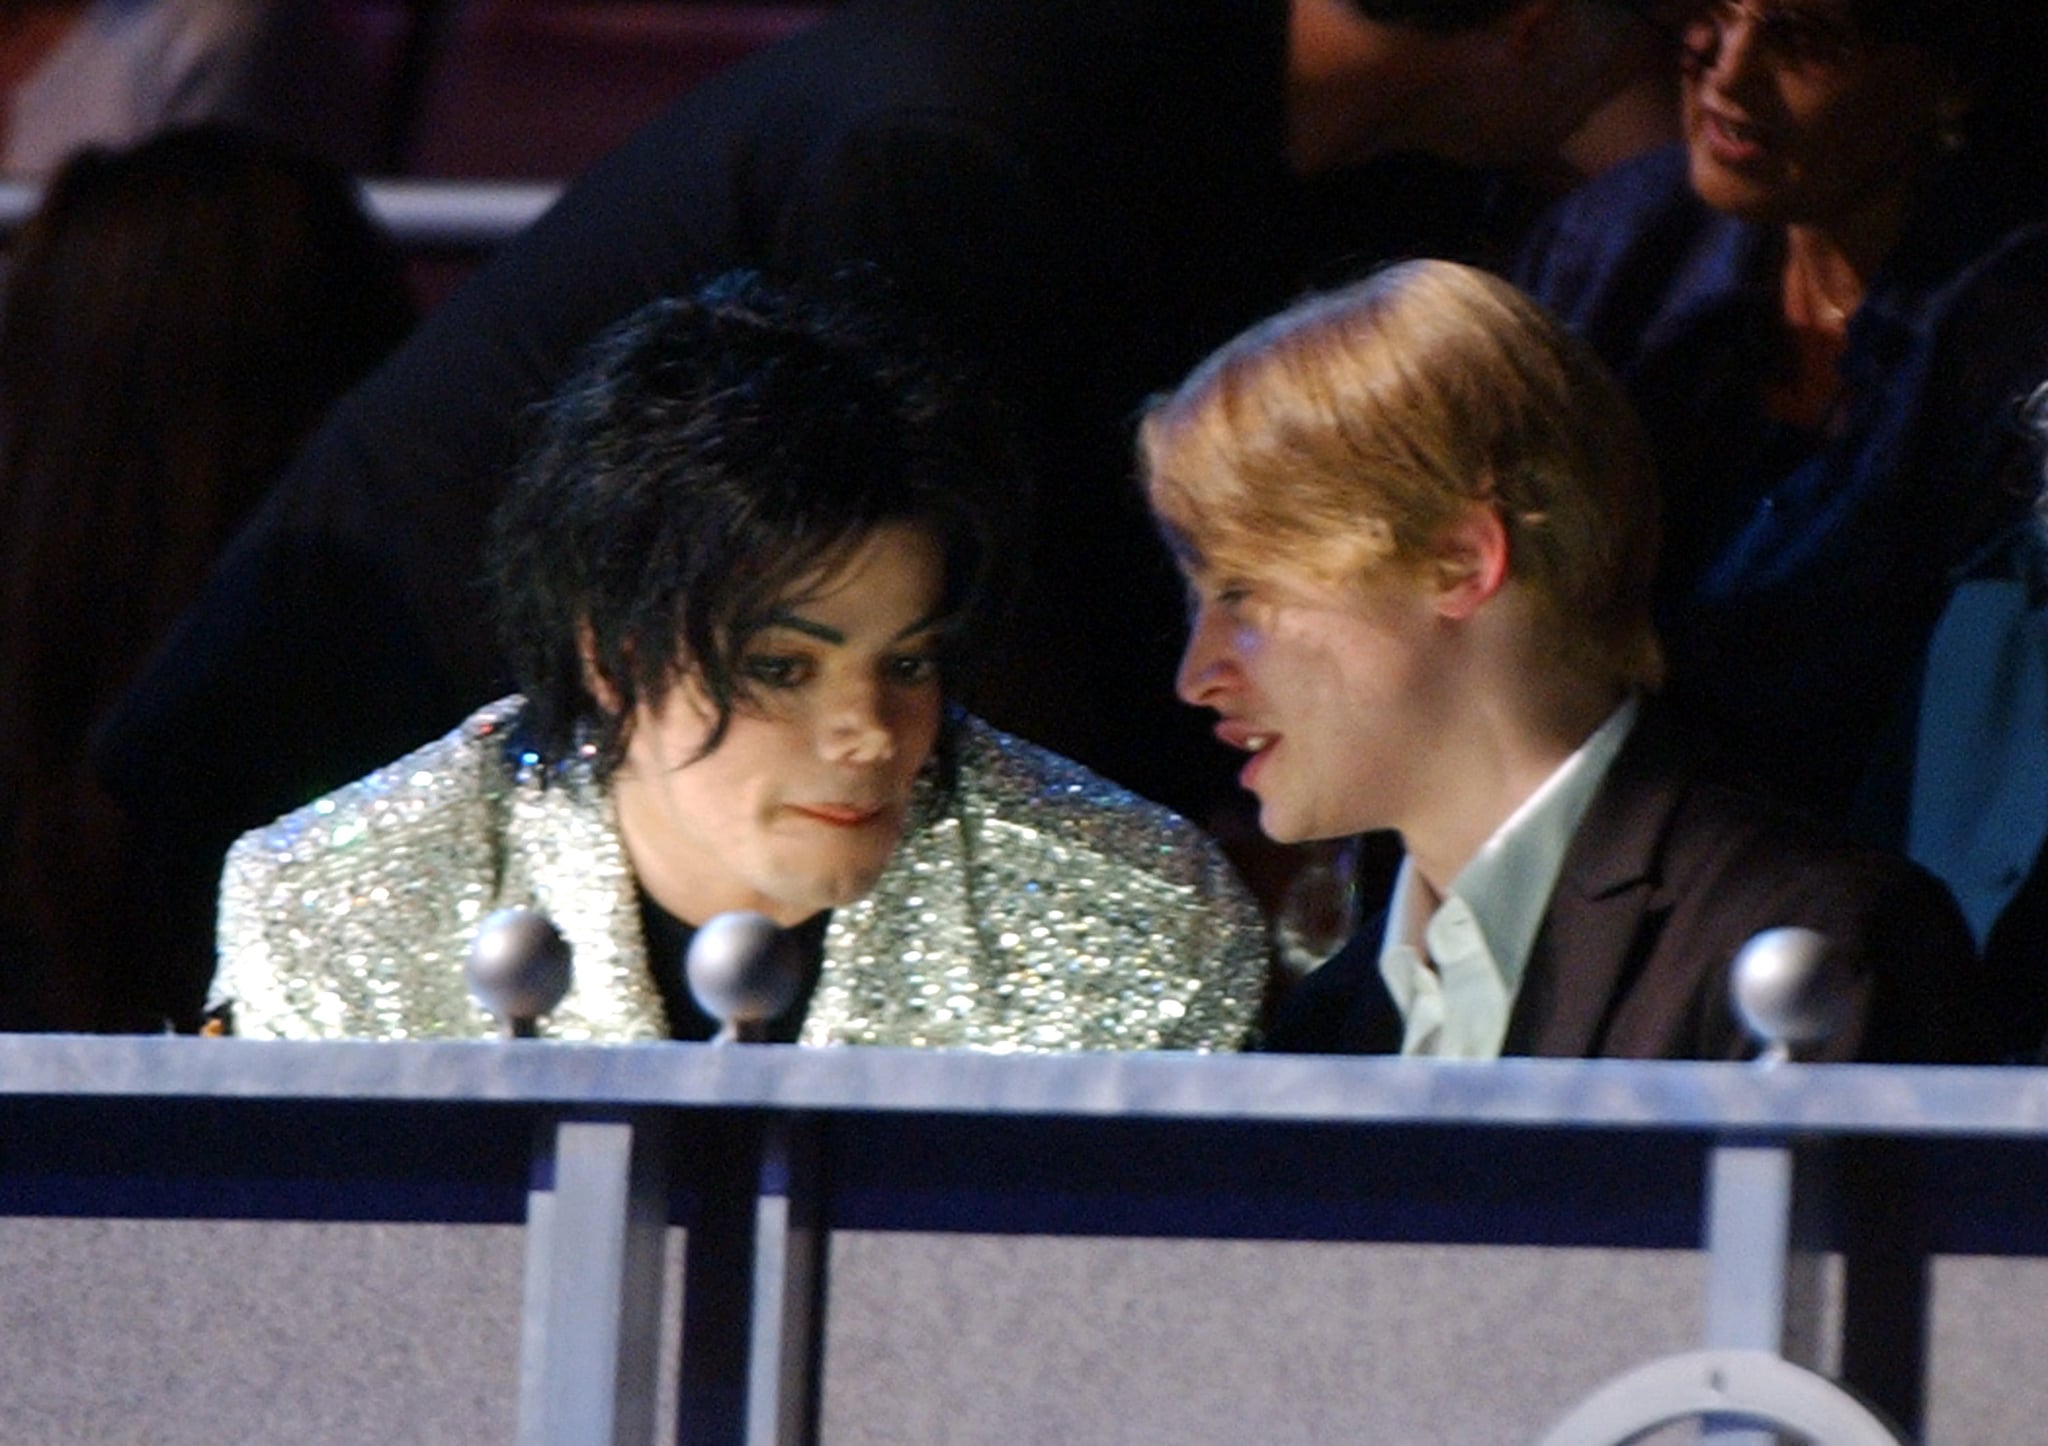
column 798, row 623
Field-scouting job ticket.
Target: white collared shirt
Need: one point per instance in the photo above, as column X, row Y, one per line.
column 1478, row 938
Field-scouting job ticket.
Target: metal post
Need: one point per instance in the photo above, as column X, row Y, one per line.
column 1761, row 1293
column 595, row 1222
column 789, row 1258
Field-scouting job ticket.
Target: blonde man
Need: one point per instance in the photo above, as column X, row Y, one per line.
column 1418, row 524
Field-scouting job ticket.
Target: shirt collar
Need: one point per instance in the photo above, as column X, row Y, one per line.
column 1508, row 883
column 1504, row 891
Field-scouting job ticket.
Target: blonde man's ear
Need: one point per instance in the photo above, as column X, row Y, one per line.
column 1471, row 561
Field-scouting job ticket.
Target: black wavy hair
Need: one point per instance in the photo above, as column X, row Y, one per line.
column 709, row 456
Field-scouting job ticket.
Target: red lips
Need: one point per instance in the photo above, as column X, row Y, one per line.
column 840, row 815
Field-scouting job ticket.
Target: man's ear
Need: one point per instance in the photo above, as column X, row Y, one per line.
column 595, row 682
column 1471, row 561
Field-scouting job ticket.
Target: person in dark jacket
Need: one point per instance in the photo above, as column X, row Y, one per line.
column 1827, row 306
column 179, row 315
column 1418, row 524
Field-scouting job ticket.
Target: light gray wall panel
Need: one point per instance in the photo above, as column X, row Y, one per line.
column 978, row 1339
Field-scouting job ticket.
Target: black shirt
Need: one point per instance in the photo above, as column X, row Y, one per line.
column 668, row 942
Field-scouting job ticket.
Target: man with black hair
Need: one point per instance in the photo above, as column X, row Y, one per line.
column 1088, row 193
column 734, row 577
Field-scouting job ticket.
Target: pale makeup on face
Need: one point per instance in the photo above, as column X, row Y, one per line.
column 801, row 804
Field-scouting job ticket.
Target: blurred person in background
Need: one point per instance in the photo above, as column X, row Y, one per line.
column 178, row 317
column 1827, row 304
column 75, row 73
column 1962, row 783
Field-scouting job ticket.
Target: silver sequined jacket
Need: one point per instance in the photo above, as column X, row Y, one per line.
column 1040, row 908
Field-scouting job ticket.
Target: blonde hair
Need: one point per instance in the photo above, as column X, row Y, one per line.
column 1345, row 436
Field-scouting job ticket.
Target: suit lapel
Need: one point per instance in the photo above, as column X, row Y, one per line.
column 564, row 856
column 1373, row 1024
column 1594, row 928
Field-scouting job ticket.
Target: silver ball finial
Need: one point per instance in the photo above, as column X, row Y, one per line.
column 518, row 967
column 743, row 971
column 1790, row 987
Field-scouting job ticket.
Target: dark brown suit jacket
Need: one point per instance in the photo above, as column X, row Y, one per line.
column 1669, row 874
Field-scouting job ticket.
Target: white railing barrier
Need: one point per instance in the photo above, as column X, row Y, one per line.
column 417, row 213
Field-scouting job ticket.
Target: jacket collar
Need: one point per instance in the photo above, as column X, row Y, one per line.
column 1608, row 884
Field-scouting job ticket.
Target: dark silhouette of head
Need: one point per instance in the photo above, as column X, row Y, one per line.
column 178, row 316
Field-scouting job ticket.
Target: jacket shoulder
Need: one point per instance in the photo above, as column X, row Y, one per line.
column 1606, row 217
column 1733, row 863
column 384, row 874
column 1063, row 911
column 1006, row 782
column 1616, row 255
